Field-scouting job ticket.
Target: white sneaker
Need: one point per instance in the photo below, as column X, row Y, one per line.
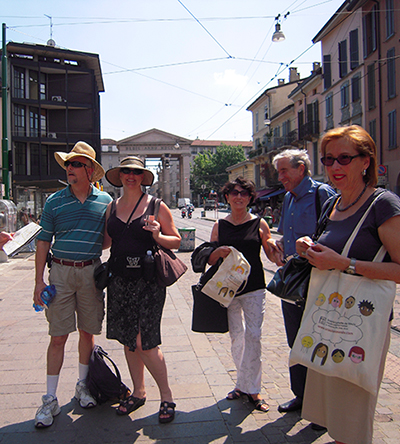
column 45, row 413
column 82, row 394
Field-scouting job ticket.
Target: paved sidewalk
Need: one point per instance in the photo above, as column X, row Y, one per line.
column 201, row 372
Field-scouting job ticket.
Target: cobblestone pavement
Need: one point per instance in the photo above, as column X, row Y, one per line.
column 201, row 373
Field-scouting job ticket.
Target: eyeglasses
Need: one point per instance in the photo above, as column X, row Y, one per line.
column 135, row 172
column 74, row 164
column 243, row 193
column 342, row 159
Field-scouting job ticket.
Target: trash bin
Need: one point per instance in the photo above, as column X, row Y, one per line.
column 188, row 236
column 268, row 219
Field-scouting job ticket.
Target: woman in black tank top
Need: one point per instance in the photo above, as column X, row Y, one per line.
column 247, row 233
column 135, row 304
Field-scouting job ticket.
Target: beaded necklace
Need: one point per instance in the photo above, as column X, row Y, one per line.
column 353, row 203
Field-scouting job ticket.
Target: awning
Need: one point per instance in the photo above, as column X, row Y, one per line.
column 264, row 192
column 274, row 192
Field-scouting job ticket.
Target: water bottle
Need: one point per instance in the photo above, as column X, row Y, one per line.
column 148, row 266
column 47, row 296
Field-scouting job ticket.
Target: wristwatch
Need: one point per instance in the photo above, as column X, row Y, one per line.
column 351, row 269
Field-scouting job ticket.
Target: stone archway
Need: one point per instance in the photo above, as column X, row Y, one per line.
column 174, row 152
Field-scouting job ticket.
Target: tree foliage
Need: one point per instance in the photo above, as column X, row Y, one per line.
column 210, row 169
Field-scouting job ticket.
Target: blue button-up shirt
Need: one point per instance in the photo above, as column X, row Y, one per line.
column 299, row 213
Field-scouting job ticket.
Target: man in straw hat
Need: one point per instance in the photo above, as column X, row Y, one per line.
column 75, row 218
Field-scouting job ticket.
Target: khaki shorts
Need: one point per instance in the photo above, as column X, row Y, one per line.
column 76, row 293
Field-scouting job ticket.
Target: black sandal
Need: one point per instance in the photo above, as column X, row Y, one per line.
column 234, row 394
column 258, row 404
column 130, row 404
column 166, row 408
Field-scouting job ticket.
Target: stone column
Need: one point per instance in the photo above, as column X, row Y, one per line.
column 184, row 172
column 166, row 181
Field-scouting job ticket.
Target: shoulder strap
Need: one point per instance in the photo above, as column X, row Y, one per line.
column 350, row 240
column 318, row 201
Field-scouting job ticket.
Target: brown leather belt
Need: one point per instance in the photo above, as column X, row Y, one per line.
column 77, row 264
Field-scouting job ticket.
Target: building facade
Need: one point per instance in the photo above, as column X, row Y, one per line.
column 53, row 102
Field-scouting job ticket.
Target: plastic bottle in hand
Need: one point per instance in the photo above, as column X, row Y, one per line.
column 47, row 296
column 148, row 266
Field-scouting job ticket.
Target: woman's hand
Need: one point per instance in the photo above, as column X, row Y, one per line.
column 153, row 226
column 218, row 253
column 4, row 238
column 325, row 258
column 303, row 244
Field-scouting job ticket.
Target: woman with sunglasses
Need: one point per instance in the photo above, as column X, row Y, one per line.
column 247, row 233
column 134, row 300
column 349, row 155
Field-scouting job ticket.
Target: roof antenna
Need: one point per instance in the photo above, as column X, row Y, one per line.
column 50, row 42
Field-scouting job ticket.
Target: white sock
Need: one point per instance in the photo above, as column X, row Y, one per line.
column 83, row 371
column 52, row 383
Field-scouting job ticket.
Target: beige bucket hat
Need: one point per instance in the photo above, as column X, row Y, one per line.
column 81, row 149
column 134, row 163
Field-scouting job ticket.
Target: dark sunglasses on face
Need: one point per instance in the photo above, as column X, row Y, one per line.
column 74, row 164
column 342, row 159
column 135, row 172
column 243, row 193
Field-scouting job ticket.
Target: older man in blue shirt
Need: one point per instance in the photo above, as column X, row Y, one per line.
column 300, row 211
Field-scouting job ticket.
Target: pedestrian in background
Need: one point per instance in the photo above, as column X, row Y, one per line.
column 349, row 155
column 247, row 233
column 135, row 301
column 300, row 211
column 75, row 219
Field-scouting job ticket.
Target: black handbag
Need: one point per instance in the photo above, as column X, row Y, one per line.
column 208, row 315
column 290, row 282
column 102, row 275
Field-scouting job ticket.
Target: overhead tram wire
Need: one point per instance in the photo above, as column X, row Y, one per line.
column 205, row 29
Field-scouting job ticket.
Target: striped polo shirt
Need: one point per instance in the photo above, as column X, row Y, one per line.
column 77, row 228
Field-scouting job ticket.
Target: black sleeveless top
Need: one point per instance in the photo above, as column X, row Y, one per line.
column 132, row 240
column 245, row 238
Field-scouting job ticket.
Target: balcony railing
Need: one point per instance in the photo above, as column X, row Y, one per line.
column 309, row 130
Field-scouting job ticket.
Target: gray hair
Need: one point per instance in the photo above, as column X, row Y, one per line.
column 296, row 158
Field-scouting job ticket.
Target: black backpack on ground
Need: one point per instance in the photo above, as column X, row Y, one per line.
column 101, row 381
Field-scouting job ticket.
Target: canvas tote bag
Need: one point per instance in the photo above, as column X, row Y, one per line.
column 345, row 322
column 231, row 277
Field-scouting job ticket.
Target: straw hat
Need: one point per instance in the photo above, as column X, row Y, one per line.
column 133, row 163
column 81, row 149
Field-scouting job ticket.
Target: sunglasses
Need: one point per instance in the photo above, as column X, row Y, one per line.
column 243, row 193
column 74, row 164
column 342, row 159
column 135, row 172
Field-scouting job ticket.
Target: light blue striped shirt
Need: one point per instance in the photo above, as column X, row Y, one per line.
column 77, row 228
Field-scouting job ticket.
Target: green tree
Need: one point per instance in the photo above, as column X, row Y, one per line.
column 210, row 169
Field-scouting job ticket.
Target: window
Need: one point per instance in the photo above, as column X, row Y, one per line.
column 372, row 129
column 42, row 86
column 20, row 158
column 33, row 122
column 19, row 120
column 329, row 105
column 286, row 128
column 313, row 117
column 392, row 129
column 45, row 161
column 256, row 122
column 371, row 86
column 33, row 85
column 391, row 73
column 277, row 131
column 389, row 18
column 354, row 58
column 327, row 71
column 356, row 88
column 35, row 159
column 266, row 116
column 43, row 123
column 19, row 83
column 370, row 32
column 344, row 95
column 300, row 119
column 342, row 58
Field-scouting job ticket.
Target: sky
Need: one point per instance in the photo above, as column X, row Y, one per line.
column 187, row 67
